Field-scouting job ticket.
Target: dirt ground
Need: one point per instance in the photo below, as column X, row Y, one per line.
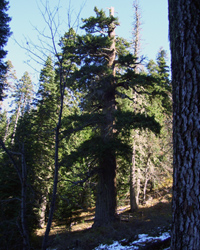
column 152, row 218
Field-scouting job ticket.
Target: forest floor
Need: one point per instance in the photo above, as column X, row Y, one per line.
column 152, row 219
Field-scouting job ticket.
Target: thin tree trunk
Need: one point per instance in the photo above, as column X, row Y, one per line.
column 136, row 46
column 16, row 121
column 133, row 202
column 136, row 30
column 53, row 200
column 146, row 177
column 138, row 187
column 185, row 48
column 6, row 132
column 26, row 242
column 145, row 186
column 42, row 213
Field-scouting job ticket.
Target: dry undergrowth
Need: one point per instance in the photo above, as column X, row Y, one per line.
column 156, row 213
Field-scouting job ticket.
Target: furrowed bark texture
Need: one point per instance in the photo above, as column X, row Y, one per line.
column 184, row 24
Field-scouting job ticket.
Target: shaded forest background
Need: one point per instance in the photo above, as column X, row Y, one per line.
column 98, row 103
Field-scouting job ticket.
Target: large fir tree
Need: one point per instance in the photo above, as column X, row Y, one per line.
column 105, row 68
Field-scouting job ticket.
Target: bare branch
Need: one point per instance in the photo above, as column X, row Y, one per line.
column 11, row 199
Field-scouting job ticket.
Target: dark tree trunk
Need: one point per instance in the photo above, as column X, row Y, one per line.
column 133, row 203
column 106, row 204
column 106, row 197
column 106, row 193
column 184, row 18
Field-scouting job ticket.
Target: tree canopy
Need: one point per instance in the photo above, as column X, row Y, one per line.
column 4, row 35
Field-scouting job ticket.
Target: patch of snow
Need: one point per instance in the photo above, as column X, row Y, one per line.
column 143, row 239
column 116, row 245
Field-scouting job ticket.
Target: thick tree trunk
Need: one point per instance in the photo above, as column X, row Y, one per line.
column 106, row 204
column 185, row 48
column 106, row 193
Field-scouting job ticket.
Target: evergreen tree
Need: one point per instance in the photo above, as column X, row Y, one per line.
column 15, row 157
column 157, row 151
column 44, row 120
column 4, row 34
column 160, row 68
column 152, row 155
column 23, row 94
column 105, row 68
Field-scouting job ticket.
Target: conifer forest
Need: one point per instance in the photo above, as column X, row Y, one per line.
column 93, row 137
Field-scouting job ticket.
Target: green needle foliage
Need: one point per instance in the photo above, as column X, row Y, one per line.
column 107, row 105
column 4, row 35
column 104, row 70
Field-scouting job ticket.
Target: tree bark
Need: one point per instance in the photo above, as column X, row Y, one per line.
column 42, row 212
column 138, row 186
column 184, row 24
column 133, row 202
column 106, row 205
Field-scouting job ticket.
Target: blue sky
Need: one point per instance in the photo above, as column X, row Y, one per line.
column 26, row 17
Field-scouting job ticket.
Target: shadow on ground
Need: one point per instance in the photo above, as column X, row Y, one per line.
column 150, row 220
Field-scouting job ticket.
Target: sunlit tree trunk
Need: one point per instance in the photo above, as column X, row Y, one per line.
column 185, row 48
